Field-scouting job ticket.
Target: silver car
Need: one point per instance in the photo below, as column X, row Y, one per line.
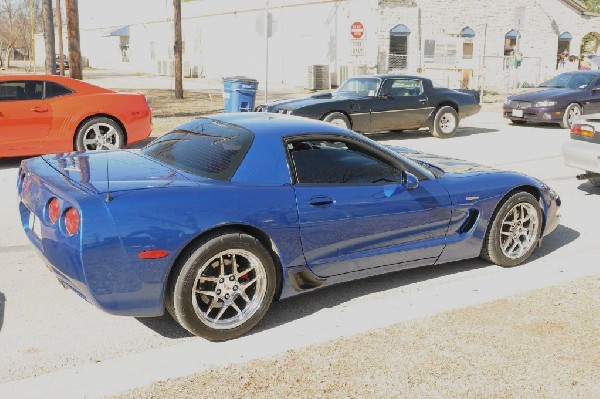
column 583, row 150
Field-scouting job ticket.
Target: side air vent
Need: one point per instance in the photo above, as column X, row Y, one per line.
column 303, row 280
column 472, row 219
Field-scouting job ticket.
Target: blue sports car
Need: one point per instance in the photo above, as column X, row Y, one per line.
column 218, row 218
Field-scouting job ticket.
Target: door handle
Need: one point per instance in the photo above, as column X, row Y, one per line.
column 422, row 101
column 321, row 200
column 39, row 109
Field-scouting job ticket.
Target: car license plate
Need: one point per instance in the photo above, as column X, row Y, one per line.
column 517, row 112
column 35, row 226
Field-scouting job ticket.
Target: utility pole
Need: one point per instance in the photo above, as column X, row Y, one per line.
column 32, row 23
column 178, row 49
column 75, row 70
column 61, row 64
column 48, row 22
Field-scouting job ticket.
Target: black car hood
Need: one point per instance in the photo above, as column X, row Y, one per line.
column 545, row 94
column 308, row 101
column 445, row 164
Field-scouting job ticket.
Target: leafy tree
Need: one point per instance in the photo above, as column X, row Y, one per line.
column 592, row 5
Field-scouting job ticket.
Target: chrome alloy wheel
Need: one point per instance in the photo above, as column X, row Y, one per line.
column 573, row 113
column 447, row 123
column 229, row 289
column 339, row 122
column 519, row 230
column 101, row 136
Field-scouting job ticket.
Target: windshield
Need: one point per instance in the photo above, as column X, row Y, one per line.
column 204, row 147
column 360, row 86
column 569, row 81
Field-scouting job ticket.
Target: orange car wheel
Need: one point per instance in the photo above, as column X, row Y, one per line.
column 99, row 134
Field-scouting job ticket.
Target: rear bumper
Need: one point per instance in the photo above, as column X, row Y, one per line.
column 540, row 115
column 582, row 155
column 468, row 110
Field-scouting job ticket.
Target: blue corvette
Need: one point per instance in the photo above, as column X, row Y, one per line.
column 218, row 218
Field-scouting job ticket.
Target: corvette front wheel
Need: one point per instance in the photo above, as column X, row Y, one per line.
column 222, row 288
column 514, row 231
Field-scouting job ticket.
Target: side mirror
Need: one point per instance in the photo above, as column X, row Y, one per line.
column 409, row 180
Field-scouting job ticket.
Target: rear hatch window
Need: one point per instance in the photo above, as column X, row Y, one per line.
column 203, row 147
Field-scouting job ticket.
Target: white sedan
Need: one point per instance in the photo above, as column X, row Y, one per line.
column 583, row 150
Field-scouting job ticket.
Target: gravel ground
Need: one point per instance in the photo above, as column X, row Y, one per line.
column 543, row 344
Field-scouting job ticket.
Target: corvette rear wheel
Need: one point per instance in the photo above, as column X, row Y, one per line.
column 445, row 123
column 337, row 118
column 572, row 111
column 223, row 287
column 99, row 134
column 514, row 231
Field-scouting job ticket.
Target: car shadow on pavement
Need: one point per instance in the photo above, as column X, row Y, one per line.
column 301, row 306
column 560, row 237
column 589, row 188
column 415, row 134
column 2, row 301
column 9, row 163
column 165, row 325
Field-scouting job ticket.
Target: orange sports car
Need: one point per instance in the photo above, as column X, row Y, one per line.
column 43, row 114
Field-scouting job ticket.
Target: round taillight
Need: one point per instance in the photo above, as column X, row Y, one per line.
column 72, row 221
column 53, row 210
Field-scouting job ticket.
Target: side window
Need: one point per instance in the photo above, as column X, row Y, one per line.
column 337, row 162
column 21, row 90
column 402, row 87
column 55, row 90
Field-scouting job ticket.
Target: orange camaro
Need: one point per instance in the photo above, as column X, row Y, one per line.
column 42, row 114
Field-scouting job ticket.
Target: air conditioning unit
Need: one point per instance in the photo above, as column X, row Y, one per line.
column 318, row 77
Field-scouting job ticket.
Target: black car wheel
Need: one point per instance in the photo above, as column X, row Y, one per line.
column 572, row 111
column 99, row 134
column 445, row 123
column 337, row 118
column 514, row 231
column 595, row 181
column 517, row 122
column 222, row 287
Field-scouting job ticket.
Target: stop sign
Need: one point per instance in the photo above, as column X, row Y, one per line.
column 357, row 30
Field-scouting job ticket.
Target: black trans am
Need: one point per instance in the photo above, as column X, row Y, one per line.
column 386, row 102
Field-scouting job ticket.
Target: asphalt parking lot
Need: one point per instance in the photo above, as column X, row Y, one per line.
column 48, row 335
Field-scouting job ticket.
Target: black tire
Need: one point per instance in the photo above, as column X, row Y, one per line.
column 518, row 122
column 99, row 133
column 247, row 291
column 445, row 123
column 337, row 118
column 501, row 233
column 595, row 181
column 572, row 111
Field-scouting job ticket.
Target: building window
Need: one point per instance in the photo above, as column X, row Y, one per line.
column 398, row 56
column 439, row 53
column 467, row 50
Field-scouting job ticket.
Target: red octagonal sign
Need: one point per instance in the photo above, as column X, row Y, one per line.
column 357, row 30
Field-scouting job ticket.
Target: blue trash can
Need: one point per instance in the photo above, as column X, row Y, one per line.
column 239, row 93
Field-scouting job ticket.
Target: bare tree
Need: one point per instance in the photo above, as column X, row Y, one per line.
column 13, row 27
column 72, row 10
column 48, row 21
column 61, row 64
column 178, row 49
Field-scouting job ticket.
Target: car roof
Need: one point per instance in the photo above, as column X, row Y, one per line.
column 73, row 84
column 392, row 76
column 278, row 125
